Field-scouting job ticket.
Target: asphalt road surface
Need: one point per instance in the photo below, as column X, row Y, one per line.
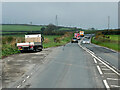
column 107, row 54
column 69, row 67
column 74, row 65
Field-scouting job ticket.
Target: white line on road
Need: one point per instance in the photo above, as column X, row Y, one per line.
column 105, row 69
column 100, row 71
column 95, row 61
column 103, row 66
column 106, row 64
column 28, row 76
column 106, row 84
column 18, row 86
column 113, row 79
column 102, row 62
column 23, row 81
column 109, row 73
column 114, row 86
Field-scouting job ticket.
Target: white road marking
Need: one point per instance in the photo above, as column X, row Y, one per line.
column 100, row 71
column 113, row 79
column 103, row 66
column 106, row 84
column 28, row 76
column 18, row 86
column 109, row 73
column 23, row 81
column 105, row 69
column 114, row 86
column 95, row 61
column 106, row 64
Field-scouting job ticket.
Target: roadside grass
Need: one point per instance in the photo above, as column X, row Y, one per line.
column 112, row 43
column 9, row 43
column 51, row 43
column 113, row 37
column 8, row 50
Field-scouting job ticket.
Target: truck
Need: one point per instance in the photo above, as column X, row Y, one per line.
column 32, row 42
column 82, row 33
column 77, row 35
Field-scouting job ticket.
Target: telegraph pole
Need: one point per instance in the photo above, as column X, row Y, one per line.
column 56, row 21
column 108, row 22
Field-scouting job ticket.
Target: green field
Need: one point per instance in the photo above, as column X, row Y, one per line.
column 20, row 28
column 112, row 43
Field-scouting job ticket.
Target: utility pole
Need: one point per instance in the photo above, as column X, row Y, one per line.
column 108, row 22
column 56, row 22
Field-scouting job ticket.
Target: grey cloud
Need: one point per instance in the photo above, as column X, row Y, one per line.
column 85, row 15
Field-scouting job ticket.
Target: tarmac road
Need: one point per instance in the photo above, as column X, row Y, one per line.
column 68, row 67
column 107, row 54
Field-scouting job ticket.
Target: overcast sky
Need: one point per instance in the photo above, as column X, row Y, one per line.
column 78, row 14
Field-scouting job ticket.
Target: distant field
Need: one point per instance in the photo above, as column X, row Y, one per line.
column 20, row 28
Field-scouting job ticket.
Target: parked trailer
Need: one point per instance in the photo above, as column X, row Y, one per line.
column 32, row 42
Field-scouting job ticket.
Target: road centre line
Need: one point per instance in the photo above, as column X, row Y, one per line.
column 23, row 81
column 106, row 84
column 95, row 60
column 18, row 86
column 105, row 64
column 100, row 71
column 28, row 76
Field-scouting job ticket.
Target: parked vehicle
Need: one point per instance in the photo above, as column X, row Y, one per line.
column 74, row 40
column 32, row 42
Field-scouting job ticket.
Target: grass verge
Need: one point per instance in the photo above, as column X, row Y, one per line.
column 112, row 43
column 9, row 42
column 63, row 40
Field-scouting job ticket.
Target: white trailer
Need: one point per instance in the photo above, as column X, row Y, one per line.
column 32, row 42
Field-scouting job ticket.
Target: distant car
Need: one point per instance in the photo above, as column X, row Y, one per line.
column 87, row 37
column 85, row 42
column 74, row 40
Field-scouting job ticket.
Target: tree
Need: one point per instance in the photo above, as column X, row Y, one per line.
column 42, row 29
column 50, row 27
